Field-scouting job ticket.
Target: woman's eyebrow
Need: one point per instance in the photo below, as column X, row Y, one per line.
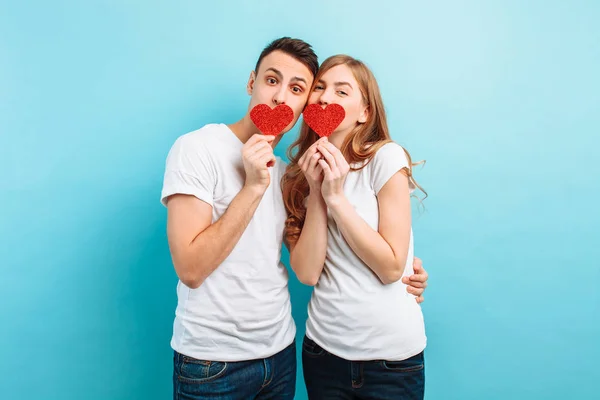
column 342, row 84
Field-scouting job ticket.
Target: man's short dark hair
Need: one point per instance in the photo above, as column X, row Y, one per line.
column 296, row 48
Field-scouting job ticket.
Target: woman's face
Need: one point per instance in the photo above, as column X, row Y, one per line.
column 339, row 86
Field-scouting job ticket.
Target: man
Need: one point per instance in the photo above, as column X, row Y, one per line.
column 233, row 334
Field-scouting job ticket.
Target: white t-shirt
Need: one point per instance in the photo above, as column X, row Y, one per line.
column 351, row 313
column 242, row 311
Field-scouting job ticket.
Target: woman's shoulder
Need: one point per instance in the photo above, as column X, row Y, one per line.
column 390, row 152
column 390, row 147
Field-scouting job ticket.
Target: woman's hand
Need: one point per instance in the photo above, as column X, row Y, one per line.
column 309, row 164
column 335, row 169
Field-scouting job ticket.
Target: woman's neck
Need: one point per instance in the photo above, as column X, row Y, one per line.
column 337, row 138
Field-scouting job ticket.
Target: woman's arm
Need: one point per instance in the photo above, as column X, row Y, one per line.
column 383, row 251
column 307, row 255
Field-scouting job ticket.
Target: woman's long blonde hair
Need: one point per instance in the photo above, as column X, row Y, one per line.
column 360, row 145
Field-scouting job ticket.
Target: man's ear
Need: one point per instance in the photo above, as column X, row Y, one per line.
column 250, row 84
column 364, row 116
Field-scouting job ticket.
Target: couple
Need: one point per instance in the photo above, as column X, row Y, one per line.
column 342, row 207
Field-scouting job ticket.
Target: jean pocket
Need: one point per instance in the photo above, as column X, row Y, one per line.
column 310, row 348
column 200, row 371
column 413, row 364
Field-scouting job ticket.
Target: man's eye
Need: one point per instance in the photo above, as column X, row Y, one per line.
column 297, row 89
column 272, row 81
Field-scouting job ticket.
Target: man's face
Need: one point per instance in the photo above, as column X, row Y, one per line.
column 280, row 79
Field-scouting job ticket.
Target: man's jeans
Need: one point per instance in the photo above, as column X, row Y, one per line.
column 330, row 377
column 269, row 378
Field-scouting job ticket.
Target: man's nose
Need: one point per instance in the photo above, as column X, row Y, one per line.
column 280, row 97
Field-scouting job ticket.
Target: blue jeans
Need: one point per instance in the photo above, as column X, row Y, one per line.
column 331, row 377
column 266, row 378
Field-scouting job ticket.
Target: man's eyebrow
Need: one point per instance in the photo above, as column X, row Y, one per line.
column 276, row 71
column 280, row 75
column 300, row 79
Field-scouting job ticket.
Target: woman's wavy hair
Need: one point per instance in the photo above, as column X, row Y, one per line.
column 358, row 148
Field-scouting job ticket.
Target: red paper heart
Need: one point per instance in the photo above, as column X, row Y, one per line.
column 324, row 120
column 271, row 121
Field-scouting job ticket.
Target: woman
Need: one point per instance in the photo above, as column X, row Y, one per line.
column 349, row 233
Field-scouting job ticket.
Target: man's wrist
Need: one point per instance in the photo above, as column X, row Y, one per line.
column 254, row 190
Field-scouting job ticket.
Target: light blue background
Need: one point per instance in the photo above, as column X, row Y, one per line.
column 501, row 98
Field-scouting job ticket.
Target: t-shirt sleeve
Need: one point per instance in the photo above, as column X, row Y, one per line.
column 388, row 160
column 189, row 170
column 281, row 167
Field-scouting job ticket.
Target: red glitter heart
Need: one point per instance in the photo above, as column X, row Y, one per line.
column 271, row 121
column 323, row 120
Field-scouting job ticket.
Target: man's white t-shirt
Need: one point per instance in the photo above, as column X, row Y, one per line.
column 242, row 311
column 351, row 314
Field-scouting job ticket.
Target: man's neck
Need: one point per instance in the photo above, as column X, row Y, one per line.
column 245, row 128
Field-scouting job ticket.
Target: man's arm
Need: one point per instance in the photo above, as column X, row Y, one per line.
column 417, row 282
column 199, row 247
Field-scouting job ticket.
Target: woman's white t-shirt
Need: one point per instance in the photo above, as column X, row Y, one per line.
column 352, row 314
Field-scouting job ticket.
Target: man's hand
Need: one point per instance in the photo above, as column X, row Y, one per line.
column 417, row 282
column 257, row 155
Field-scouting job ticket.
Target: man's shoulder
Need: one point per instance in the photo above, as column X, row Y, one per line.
column 198, row 146
column 203, row 135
